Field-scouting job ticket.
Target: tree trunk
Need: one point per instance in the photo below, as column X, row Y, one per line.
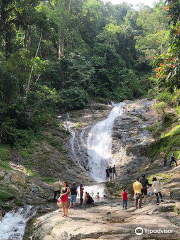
column 68, row 5
column 60, row 48
column 32, row 68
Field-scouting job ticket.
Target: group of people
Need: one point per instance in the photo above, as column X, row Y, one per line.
column 111, row 173
column 172, row 160
column 62, row 193
column 141, row 189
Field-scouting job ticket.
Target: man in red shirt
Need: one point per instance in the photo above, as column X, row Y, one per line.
column 125, row 198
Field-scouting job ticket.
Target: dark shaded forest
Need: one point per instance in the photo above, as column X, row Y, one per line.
column 61, row 54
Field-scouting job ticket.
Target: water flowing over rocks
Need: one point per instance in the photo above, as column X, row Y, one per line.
column 127, row 142
column 105, row 220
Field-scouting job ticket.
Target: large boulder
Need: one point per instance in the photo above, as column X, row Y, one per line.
column 175, row 194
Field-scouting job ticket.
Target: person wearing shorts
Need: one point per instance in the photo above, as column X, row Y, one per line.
column 145, row 184
column 74, row 193
column 137, row 187
column 64, row 198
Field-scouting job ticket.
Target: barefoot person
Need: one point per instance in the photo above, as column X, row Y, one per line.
column 137, row 187
column 74, row 193
column 64, row 198
column 157, row 189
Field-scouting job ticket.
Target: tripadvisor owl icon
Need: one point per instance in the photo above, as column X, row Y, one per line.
column 139, row 231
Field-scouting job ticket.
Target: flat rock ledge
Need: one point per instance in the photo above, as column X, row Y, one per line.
column 109, row 221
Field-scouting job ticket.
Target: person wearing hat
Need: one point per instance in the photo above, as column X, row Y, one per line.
column 145, row 184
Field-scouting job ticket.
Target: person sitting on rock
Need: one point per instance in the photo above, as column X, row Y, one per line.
column 172, row 159
column 97, row 195
column 85, row 197
column 157, row 189
column 89, row 199
column 145, row 184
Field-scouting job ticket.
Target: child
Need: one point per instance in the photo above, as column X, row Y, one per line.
column 150, row 191
column 125, row 198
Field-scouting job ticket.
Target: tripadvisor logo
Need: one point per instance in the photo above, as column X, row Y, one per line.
column 139, row 231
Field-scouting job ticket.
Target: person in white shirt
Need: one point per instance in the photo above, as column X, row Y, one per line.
column 157, row 189
column 57, row 189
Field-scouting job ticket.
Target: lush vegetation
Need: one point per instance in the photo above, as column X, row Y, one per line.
column 60, row 54
column 166, row 88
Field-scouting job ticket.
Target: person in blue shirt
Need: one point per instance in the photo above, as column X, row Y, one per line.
column 172, row 159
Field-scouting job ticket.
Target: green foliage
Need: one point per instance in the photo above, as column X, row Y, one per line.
column 5, row 196
column 4, row 157
column 60, row 54
column 48, row 179
column 74, row 98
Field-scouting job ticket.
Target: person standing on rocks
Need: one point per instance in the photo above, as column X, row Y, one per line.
column 145, row 184
column 172, row 159
column 150, row 192
column 157, row 189
column 107, row 174
column 81, row 194
column 125, row 198
column 64, row 198
column 114, row 171
column 137, row 187
column 110, row 173
column 74, row 193
column 57, row 189
column 165, row 161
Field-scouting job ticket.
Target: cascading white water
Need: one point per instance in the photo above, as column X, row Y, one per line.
column 69, row 126
column 12, row 226
column 99, row 144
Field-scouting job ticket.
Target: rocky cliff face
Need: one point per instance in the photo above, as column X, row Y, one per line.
column 131, row 139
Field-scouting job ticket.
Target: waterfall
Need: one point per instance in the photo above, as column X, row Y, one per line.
column 99, row 144
column 13, row 224
column 73, row 140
